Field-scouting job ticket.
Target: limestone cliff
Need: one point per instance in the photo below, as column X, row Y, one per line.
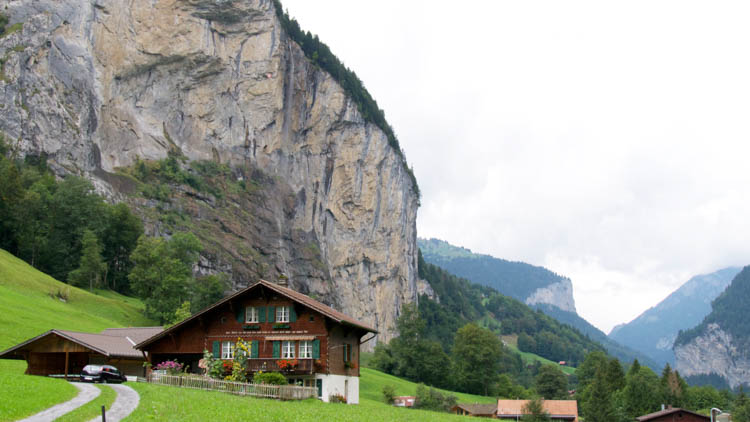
column 99, row 84
column 713, row 351
column 558, row 294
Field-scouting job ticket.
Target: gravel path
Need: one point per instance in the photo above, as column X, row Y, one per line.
column 126, row 402
column 87, row 393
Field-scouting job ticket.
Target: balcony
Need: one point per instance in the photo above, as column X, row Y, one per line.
column 304, row 366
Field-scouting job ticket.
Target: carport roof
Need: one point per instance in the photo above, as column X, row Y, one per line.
column 112, row 342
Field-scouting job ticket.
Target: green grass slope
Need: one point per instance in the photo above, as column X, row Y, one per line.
column 371, row 383
column 24, row 395
column 29, row 306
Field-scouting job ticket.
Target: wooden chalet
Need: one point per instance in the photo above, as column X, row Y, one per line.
column 62, row 352
column 281, row 326
column 673, row 414
column 559, row 410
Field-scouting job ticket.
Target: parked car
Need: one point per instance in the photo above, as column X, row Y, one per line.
column 101, row 373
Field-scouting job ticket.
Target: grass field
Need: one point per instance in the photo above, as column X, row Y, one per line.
column 163, row 403
column 371, row 384
column 93, row 408
column 29, row 306
column 23, row 395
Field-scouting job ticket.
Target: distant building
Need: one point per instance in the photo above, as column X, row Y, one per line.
column 673, row 414
column 480, row 410
column 404, row 401
column 559, row 410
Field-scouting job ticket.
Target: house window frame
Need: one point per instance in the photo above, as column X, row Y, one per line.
column 227, row 350
column 251, row 314
column 282, row 314
column 287, row 349
column 305, row 349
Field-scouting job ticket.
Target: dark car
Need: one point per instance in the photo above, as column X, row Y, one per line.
column 101, row 373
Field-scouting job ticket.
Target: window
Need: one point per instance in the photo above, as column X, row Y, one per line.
column 251, row 314
column 287, row 350
column 227, row 350
column 347, row 352
column 305, row 350
column 282, row 314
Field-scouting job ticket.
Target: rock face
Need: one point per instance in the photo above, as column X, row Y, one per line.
column 98, row 84
column 713, row 352
column 654, row 331
column 558, row 294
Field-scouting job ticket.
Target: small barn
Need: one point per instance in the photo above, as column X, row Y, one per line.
column 479, row 410
column 62, row 352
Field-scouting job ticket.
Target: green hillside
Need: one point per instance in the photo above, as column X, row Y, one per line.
column 32, row 302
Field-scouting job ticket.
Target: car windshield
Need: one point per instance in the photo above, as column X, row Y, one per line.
column 92, row 368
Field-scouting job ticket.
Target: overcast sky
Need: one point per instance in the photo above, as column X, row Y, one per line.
column 606, row 141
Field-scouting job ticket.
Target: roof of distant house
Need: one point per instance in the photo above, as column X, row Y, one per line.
column 477, row 408
column 667, row 412
column 556, row 408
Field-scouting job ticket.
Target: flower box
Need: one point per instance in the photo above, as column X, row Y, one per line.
column 282, row 326
column 248, row 327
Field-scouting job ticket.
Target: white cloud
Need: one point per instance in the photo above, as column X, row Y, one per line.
column 606, row 141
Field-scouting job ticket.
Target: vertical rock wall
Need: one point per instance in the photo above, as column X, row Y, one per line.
column 99, row 84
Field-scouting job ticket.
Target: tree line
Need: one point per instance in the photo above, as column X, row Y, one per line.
column 65, row 229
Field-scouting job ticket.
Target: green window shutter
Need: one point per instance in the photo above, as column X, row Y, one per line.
column 241, row 315
column 292, row 314
column 276, row 349
column 271, row 314
column 262, row 314
column 217, row 349
column 254, row 349
column 316, row 349
column 319, row 384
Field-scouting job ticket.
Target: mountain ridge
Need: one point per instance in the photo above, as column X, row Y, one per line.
column 654, row 331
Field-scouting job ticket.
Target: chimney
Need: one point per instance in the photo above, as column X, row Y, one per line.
column 283, row 280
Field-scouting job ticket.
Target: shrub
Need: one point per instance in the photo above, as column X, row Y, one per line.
column 389, row 393
column 431, row 399
column 274, row 378
column 171, row 366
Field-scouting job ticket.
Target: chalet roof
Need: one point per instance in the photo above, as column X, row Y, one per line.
column 667, row 412
column 556, row 408
column 284, row 291
column 112, row 342
column 477, row 408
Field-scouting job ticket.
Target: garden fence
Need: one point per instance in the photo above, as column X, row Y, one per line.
column 283, row 392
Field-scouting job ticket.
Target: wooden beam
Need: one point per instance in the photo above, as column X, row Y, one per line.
column 66, row 365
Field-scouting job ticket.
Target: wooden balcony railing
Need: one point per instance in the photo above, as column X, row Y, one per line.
column 304, row 366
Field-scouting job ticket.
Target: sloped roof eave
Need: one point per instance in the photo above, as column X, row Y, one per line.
column 311, row 303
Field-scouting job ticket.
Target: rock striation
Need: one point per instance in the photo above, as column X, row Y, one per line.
column 558, row 294
column 97, row 85
column 713, row 352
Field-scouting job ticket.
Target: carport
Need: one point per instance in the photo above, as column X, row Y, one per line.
column 65, row 353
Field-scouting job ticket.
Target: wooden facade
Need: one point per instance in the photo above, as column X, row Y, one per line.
column 252, row 315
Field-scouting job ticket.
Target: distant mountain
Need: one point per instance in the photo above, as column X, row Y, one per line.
column 720, row 344
column 527, row 283
column 655, row 330
column 621, row 352
column 538, row 287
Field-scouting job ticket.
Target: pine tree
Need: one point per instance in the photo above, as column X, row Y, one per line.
column 91, row 266
column 599, row 405
column 534, row 411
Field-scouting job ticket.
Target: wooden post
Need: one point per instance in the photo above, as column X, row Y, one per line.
column 66, row 365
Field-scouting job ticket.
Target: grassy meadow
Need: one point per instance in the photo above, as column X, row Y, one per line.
column 30, row 305
column 23, row 395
